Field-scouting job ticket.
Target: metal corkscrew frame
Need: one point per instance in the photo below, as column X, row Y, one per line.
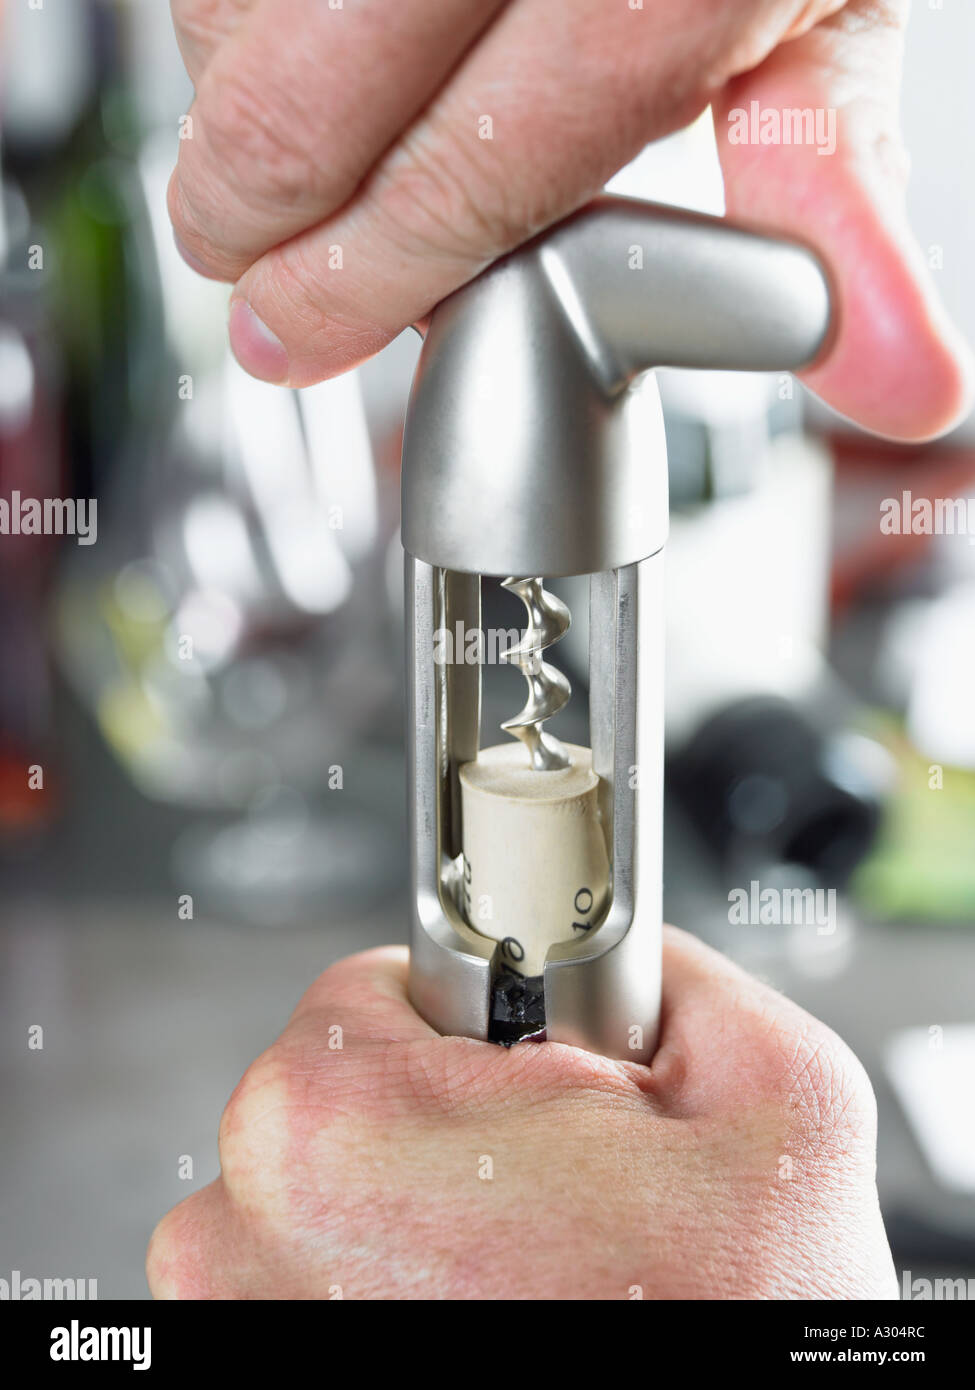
column 534, row 446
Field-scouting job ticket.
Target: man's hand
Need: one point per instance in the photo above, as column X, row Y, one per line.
column 407, row 1165
column 339, row 169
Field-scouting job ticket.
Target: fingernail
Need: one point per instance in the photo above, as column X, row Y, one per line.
column 192, row 261
column 257, row 349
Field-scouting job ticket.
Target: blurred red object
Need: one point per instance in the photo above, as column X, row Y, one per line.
column 31, row 463
column 22, row 807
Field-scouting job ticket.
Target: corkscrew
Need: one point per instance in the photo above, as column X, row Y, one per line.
column 534, row 447
column 548, row 688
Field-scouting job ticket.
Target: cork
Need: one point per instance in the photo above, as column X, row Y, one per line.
column 536, row 871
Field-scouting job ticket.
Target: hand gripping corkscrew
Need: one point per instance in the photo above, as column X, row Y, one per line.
column 534, row 446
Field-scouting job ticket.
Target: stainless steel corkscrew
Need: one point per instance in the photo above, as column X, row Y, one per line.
column 534, row 447
column 548, row 688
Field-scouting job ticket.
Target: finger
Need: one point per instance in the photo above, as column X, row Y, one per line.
column 897, row 365
column 202, row 25
column 707, row 1000
column 732, row 1046
column 366, row 997
column 506, row 148
column 294, row 109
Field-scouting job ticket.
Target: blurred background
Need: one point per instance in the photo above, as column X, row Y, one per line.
column 202, row 798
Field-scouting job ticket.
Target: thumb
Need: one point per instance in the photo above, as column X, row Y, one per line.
column 897, row 365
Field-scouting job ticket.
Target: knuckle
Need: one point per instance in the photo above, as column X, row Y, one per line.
column 184, row 224
column 253, row 137
column 176, row 1264
column 441, row 194
column 299, row 1113
column 197, row 19
column 813, row 12
column 253, row 1136
column 194, row 226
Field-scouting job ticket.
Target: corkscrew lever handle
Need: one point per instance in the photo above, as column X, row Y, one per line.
column 534, row 439
column 652, row 286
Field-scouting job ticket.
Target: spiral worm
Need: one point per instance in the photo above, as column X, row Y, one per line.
column 548, row 688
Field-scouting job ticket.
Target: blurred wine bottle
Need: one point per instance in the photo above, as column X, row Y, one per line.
column 71, row 139
column 79, row 333
column 229, row 633
column 31, row 463
column 763, row 747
